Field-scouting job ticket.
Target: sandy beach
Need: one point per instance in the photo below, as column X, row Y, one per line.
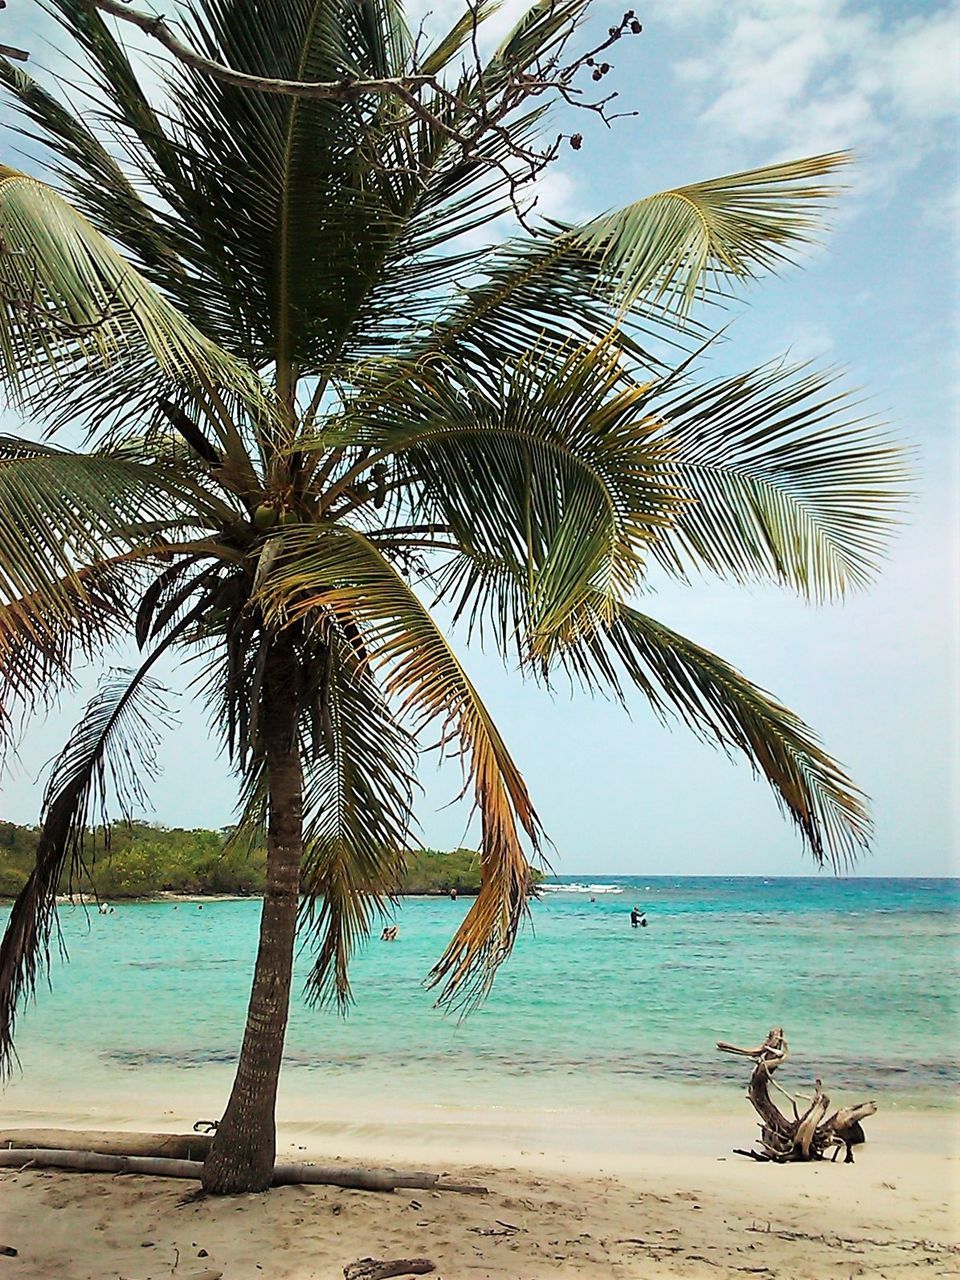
column 564, row 1199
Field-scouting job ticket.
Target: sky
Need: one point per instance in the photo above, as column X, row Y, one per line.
column 721, row 87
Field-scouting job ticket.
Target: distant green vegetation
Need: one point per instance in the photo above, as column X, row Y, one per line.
column 430, row 871
column 143, row 859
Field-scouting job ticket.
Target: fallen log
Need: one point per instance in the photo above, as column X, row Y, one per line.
column 173, row 1146
column 808, row 1136
column 358, row 1179
column 370, row 1179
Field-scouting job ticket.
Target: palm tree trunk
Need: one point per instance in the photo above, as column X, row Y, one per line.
column 244, row 1149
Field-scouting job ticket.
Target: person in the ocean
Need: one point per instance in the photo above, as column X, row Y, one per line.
column 638, row 918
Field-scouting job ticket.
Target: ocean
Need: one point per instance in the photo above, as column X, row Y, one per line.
column 588, row 1013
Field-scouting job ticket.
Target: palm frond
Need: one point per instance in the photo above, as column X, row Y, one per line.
column 340, row 575
column 358, row 803
column 637, row 270
column 38, row 645
column 548, row 465
column 538, row 31
column 545, row 293
column 63, row 511
column 287, row 281
column 71, row 306
column 722, row 706
column 111, row 748
column 434, row 191
column 441, row 54
column 671, row 247
column 786, row 480
column 92, row 176
column 163, row 164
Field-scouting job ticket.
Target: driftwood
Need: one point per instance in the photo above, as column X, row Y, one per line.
column 384, row 1268
column 359, row 1179
column 173, row 1146
column 808, row 1136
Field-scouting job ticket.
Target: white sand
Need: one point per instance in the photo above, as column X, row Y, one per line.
column 581, row 1197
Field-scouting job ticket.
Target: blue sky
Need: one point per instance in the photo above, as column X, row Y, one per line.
column 721, row 87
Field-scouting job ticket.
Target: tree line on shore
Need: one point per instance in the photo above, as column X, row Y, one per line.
column 142, row 858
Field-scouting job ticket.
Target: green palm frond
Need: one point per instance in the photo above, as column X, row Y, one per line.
column 90, row 174
column 441, row 54
column 163, row 164
column 39, row 645
column 340, row 575
column 172, row 223
column 722, row 706
column 286, row 279
column 61, row 512
column 433, row 193
column 544, row 293
column 358, row 801
column 639, row 268
column 786, row 480
column 536, row 34
column 429, row 192
column 671, row 247
column 71, row 307
column 768, row 476
column 489, row 597
column 111, row 749
column 549, row 466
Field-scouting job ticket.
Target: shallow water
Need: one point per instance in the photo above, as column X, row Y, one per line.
column 590, row 1013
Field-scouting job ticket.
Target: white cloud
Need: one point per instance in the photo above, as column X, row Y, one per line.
column 922, row 66
column 557, row 195
column 821, row 74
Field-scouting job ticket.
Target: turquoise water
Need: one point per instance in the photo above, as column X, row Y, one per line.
column 863, row 974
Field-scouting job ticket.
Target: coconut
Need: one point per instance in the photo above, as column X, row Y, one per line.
column 265, row 516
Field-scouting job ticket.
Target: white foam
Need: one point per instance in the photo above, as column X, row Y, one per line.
column 582, row 888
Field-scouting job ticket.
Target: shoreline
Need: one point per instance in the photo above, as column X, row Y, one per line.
column 174, row 895
column 679, row 1204
column 576, row 884
column 539, row 1136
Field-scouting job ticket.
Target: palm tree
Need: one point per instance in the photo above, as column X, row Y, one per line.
column 304, row 404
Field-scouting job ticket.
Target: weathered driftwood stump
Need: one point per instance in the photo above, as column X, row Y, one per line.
column 384, row 1268
column 808, row 1136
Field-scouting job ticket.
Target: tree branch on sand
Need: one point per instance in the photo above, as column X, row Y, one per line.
column 808, row 1136
column 361, row 1178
